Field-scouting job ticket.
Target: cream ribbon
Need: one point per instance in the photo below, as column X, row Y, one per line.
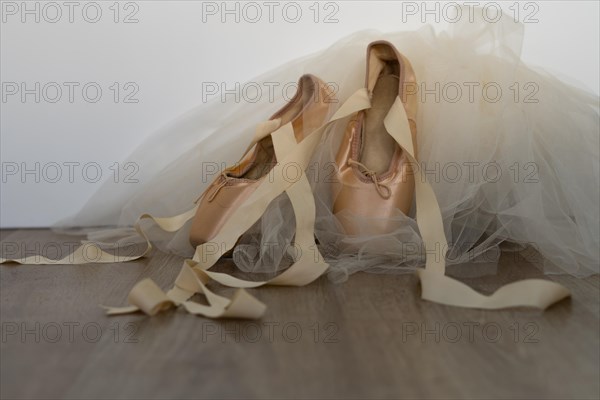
column 436, row 286
column 146, row 296
column 80, row 254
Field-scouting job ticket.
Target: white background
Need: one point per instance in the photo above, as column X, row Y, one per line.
column 169, row 52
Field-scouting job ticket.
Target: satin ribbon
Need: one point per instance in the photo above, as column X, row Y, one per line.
column 146, row 296
column 436, row 286
column 79, row 255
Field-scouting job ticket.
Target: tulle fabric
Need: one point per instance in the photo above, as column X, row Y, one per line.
column 519, row 170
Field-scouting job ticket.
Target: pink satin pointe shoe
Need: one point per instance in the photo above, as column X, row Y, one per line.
column 375, row 175
column 307, row 111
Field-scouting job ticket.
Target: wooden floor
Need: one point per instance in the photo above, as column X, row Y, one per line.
column 371, row 337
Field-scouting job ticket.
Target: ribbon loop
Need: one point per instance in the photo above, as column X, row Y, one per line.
column 436, row 286
column 149, row 298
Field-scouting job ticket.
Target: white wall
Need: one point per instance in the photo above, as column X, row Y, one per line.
column 168, row 53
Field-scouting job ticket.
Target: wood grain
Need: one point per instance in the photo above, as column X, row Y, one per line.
column 371, row 337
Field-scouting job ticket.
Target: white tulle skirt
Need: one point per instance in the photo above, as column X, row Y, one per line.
column 512, row 154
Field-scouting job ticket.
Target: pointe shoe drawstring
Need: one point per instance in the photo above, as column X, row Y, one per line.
column 384, row 191
column 218, row 187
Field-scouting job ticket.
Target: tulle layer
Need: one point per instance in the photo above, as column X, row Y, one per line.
column 510, row 151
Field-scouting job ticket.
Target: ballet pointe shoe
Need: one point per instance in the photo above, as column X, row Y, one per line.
column 375, row 176
column 307, row 111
